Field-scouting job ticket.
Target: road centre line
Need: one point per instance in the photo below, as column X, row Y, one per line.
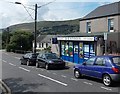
column 4, row 61
column 32, row 67
column 17, row 57
column 48, row 71
column 12, row 64
column 6, row 53
column 106, row 88
column 24, row 69
column 52, row 79
column 64, row 76
column 54, row 73
column 88, row 83
column 74, row 79
column 41, row 69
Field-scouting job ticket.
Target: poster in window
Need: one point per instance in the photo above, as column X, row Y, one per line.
column 76, row 49
column 92, row 52
column 86, row 48
column 81, row 50
column 70, row 49
column 66, row 49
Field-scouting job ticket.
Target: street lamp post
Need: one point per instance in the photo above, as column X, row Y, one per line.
column 35, row 28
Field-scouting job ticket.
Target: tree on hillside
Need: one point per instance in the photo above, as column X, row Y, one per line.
column 5, row 37
column 20, row 40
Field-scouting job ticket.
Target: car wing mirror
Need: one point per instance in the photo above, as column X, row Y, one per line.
column 44, row 58
column 84, row 63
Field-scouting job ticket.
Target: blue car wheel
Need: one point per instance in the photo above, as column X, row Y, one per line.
column 107, row 81
column 77, row 73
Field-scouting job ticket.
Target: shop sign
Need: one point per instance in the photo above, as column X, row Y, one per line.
column 76, row 38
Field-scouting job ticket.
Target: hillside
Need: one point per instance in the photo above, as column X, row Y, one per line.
column 49, row 27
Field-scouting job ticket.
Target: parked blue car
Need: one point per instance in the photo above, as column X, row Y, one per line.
column 106, row 68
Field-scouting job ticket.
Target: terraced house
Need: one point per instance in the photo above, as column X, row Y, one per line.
column 90, row 40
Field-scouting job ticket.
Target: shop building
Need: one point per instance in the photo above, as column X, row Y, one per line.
column 89, row 41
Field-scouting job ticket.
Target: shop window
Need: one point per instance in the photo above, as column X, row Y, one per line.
column 111, row 25
column 62, row 48
column 88, row 27
column 70, row 49
column 81, row 50
column 66, row 49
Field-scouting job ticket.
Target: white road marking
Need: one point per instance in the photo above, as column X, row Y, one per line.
column 4, row 61
column 6, row 53
column 32, row 67
column 17, row 57
column 74, row 79
column 41, row 69
column 52, row 79
column 24, row 69
column 54, row 73
column 88, row 83
column 12, row 64
column 64, row 76
column 48, row 71
column 106, row 88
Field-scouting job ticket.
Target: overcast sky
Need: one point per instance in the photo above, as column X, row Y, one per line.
column 58, row 10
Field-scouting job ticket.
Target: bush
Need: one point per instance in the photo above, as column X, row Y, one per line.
column 10, row 47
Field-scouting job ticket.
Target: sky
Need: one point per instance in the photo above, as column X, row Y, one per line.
column 50, row 10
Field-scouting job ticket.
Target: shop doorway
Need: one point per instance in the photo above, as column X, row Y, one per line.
column 76, row 54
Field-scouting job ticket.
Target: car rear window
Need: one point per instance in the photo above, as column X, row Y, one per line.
column 51, row 56
column 116, row 60
column 34, row 55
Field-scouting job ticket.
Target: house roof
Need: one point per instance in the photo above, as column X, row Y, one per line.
column 40, row 38
column 103, row 11
column 45, row 38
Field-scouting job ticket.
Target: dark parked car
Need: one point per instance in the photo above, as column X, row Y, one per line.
column 29, row 59
column 49, row 60
column 106, row 68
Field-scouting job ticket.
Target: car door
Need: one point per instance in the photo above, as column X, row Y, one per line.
column 25, row 58
column 88, row 67
column 39, row 59
column 99, row 67
column 43, row 60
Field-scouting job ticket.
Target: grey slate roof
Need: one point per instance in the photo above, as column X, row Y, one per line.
column 105, row 10
column 45, row 38
column 40, row 38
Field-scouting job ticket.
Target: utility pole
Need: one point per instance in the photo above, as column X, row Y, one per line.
column 35, row 29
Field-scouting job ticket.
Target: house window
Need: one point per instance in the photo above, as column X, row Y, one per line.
column 42, row 45
column 110, row 25
column 88, row 27
column 38, row 45
column 46, row 45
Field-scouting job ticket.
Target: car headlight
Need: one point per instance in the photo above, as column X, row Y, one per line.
column 50, row 61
